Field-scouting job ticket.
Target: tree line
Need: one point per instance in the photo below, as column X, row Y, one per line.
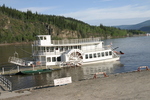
column 18, row 26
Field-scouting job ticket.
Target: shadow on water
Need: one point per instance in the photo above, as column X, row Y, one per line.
column 77, row 74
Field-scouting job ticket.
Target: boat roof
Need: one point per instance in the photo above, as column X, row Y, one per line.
column 71, row 42
column 74, row 44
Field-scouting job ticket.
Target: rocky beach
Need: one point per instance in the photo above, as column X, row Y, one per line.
column 124, row 86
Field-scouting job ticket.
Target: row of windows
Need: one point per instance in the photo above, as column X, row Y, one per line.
column 41, row 38
column 53, row 59
column 97, row 55
column 87, row 56
column 61, row 48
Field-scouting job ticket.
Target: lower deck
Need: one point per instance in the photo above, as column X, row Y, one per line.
column 76, row 56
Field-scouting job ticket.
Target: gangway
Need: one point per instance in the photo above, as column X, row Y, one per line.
column 15, row 60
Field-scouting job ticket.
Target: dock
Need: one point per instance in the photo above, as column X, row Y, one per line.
column 20, row 68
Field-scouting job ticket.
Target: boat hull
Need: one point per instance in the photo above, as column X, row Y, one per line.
column 35, row 71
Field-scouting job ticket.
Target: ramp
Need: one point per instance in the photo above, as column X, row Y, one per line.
column 17, row 61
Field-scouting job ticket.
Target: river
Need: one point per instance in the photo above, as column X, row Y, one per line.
column 136, row 49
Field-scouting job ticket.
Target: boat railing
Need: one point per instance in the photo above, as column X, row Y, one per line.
column 47, row 53
column 76, row 41
column 115, row 55
column 16, row 60
column 42, row 52
column 106, row 47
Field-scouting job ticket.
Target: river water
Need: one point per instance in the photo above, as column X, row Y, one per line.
column 136, row 49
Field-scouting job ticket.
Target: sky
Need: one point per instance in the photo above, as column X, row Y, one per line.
column 93, row 12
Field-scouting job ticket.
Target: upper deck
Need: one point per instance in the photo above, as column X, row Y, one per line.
column 45, row 46
column 45, row 40
column 76, row 41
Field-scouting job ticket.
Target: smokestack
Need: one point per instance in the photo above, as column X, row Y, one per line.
column 49, row 30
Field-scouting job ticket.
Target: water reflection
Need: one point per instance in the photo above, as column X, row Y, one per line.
column 108, row 68
column 77, row 74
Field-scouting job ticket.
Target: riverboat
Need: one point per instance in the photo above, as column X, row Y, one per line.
column 68, row 52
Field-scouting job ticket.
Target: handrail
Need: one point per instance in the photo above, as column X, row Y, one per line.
column 72, row 41
column 17, row 61
column 44, row 52
column 6, row 82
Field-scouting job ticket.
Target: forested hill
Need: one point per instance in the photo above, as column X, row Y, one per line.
column 143, row 26
column 17, row 26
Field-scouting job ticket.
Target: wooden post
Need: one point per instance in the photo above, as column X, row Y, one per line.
column 33, row 66
column 18, row 68
column 3, row 71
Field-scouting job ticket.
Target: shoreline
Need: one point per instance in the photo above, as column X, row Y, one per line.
column 121, row 86
column 17, row 43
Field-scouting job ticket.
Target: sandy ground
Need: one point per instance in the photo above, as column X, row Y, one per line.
column 125, row 86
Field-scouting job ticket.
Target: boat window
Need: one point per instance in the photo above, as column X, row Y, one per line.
column 59, row 58
column 102, row 54
column 61, row 48
column 56, row 48
column 53, row 59
column 94, row 55
column 86, row 56
column 44, row 38
column 110, row 52
column 48, row 49
column 66, row 48
column 52, row 49
column 79, row 47
column 98, row 54
column 106, row 53
column 69, row 47
column 90, row 56
column 75, row 47
column 48, row 59
column 41, row 38
column 44, row 48
column 39, row 48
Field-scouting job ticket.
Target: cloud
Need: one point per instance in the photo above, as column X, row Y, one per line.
column 37, row 9
column 124, row 12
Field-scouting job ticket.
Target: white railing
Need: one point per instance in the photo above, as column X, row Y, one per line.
column 75, row 41
column 47, row 53
column 43, row 52
column 17, row 61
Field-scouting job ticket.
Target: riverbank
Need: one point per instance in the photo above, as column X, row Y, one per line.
column 17, row 43
column 124, row 86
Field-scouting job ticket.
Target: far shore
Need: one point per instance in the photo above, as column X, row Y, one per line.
column 19, row 43
column 16, row 43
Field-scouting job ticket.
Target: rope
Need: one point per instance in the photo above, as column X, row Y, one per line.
column 24, row 50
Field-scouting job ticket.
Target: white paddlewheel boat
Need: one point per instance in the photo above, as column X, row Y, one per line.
column 69, row 52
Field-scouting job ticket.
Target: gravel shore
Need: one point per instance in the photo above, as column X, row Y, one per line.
column 124, row 86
